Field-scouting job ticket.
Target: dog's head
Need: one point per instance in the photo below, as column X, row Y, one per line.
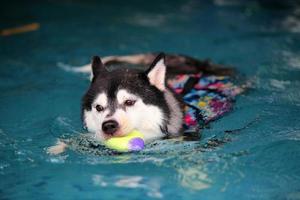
column 121, row 100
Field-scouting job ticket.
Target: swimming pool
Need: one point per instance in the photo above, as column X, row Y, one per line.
column 39, row 102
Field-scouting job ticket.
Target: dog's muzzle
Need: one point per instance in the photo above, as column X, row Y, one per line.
column 110, row 127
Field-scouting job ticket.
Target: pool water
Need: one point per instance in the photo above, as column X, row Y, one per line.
column 251, row 153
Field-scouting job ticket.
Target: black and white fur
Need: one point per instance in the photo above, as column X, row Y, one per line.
column 122, row 100
column 156, row 111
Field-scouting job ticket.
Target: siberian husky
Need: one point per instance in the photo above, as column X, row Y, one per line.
column 120, row 100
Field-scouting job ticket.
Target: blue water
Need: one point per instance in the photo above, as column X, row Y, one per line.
column 39, row 102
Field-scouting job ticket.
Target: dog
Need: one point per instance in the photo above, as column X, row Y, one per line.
column 123, row 99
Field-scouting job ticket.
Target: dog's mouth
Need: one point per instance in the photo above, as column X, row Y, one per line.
column 118, row 133
column 113, row 128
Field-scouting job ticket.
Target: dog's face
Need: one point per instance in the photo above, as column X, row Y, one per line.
column 122, row 100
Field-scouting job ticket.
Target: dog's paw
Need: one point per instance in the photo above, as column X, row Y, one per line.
column 58, row 148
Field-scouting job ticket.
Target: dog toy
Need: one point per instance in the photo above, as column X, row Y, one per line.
column 134, row 141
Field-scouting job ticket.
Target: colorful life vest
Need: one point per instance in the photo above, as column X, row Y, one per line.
column 207, row 97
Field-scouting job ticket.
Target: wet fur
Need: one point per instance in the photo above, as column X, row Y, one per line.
column 171, row 104
column 159, row 111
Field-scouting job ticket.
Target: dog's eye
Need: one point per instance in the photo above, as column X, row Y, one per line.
column 99, row 108
column 129, row 102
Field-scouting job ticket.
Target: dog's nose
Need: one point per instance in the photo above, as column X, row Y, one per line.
column 110, row 127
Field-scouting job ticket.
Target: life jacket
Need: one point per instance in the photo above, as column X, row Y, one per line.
column 206, row 97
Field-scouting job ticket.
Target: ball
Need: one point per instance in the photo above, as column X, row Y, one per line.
column 134, row 141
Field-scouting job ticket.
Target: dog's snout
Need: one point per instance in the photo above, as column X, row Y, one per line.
column 110, row 127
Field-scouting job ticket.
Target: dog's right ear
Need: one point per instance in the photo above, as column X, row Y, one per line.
column 97, row 66
column 157, row 72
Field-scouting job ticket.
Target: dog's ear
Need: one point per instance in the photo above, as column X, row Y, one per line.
column 157, row 72
column 97, row 66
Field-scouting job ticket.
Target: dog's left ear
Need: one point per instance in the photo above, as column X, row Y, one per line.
column 157, row 72
column 97, row 66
